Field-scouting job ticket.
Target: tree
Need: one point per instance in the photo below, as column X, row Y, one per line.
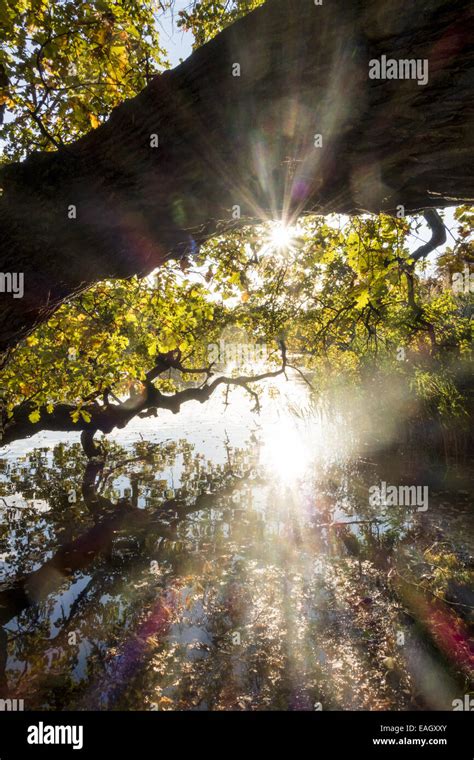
column 273, row 118
column 342, row 301
column 66, row 65
column 136, row 340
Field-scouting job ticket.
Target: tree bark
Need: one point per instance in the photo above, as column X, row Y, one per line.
column 247, row 141
column 104, row 418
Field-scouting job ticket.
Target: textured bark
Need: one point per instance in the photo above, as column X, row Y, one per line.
column 247, row 140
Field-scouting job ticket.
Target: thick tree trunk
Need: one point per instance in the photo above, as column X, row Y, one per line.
column 247, row 141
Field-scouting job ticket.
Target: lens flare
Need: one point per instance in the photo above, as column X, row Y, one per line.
column 281, row 236
column 280, row 239
column 285, row 453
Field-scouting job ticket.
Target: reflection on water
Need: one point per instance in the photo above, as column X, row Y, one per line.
column 247, row 573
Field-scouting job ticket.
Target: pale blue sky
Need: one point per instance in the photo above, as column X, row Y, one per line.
column 177, row 42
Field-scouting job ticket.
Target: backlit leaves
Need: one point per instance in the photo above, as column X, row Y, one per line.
column 64, row 66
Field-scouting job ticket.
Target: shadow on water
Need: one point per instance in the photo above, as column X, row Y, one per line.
column 156, row 579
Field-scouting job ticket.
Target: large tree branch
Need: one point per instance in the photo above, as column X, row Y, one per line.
column 438, row 235
column 104, row 418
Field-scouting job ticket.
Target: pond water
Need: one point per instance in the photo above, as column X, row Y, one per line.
column 220, row 560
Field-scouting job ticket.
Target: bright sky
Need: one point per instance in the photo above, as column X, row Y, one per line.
column 177, row 42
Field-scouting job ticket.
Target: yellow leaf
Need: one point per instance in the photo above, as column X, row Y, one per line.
column 34, row 416
column 102, row 35
column 363, row 299
column 152, row 348
column 94, row 121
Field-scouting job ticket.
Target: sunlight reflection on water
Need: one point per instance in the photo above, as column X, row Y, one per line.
column 258, row 562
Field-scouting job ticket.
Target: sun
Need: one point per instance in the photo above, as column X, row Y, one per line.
column 279, row 238
column 282, row 236
column 285, row 453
